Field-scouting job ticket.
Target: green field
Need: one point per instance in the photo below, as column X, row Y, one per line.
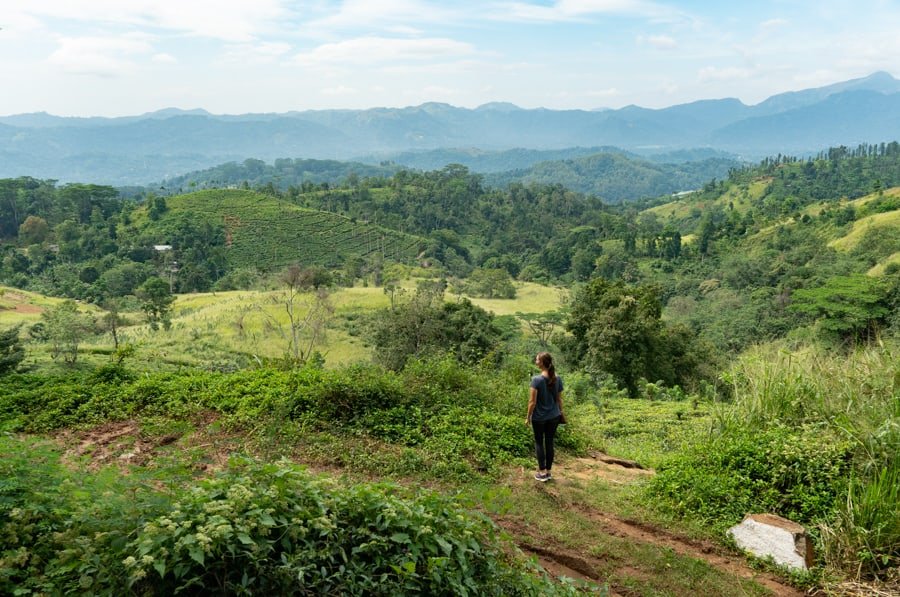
column 267, row 233
column 240, row 327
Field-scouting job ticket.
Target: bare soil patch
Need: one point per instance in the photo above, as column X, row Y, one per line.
column 114, row 442
column 601, row 466
column 617, row 471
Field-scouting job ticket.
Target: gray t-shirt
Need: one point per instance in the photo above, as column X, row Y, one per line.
column 546, row 408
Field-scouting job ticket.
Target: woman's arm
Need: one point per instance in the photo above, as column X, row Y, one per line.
column 532, row 402
column 559, row 401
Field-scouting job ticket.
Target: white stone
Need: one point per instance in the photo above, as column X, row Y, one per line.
column 768, row 535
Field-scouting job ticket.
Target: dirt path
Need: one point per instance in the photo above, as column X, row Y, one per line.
column 122, row 443
column 562, row 561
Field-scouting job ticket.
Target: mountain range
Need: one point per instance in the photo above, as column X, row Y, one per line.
column 159, row 145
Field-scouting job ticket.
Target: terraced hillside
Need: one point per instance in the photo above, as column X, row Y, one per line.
column 264, row 232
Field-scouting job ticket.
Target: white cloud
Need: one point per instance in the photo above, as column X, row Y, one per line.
column 570, row 10
column 611, row 92
column 339, row 90
column 729, row 73
column 387, row 14
column 375, row 50
column 232, row 20
column 773, row 23
column 660, row 42
column 101, row 56
column 163, row 58
column 258, row 53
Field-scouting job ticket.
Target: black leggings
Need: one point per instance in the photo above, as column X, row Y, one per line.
column 544, row 432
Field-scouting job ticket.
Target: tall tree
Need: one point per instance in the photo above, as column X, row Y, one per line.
column 156, row 301
column 65, row 328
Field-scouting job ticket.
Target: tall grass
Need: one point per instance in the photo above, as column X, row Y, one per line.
column 855, row 397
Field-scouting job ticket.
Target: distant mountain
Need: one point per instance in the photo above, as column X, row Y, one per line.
column 880, row 82
column 157, row 145
column 617, row 178
column 846, row 118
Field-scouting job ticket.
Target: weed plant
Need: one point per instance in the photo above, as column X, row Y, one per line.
column 813, row 436
column 253, row 529
column 467, row 419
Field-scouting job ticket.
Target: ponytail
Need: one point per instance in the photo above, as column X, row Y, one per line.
column 546, row 363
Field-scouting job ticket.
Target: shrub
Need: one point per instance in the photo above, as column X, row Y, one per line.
column 252, row 529
column 797, row 474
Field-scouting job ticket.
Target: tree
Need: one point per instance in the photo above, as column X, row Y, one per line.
column 617, row 330
column 541, row 325
column 34, row 230
column 111, row 321
column 425, row 325
column 156, row 302
column 851, row 307
column 11, row 350
column 490, row 283
column 309, row 317
column 65, row 328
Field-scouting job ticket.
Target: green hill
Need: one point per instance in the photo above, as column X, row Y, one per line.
column 267, row 233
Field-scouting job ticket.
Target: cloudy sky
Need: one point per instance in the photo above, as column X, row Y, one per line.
column 117, row 57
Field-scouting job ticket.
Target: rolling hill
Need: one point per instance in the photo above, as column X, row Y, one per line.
column 267, row 233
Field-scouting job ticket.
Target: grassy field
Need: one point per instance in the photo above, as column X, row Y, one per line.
column 888, row 222
column 741, row 199
column 237, row 328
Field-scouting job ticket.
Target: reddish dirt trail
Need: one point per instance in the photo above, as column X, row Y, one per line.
column 561, row 561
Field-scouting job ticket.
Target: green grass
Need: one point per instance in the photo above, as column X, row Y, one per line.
column 267, row 233
column 824, row 429
column 741, row 199
column 237, row 328
column 646, row 431
column 878, row 269
column 21, row 306
column 889, row 221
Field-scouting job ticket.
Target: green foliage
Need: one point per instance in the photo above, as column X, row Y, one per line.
column 865, row 535
column 490, row 283
column 156, row 302
column 850, row 307
column 617, row 330
column 618, row 178
column 64, row 327
column 466, row 419
column 799, row 474
column 273, row 528
column 268, row 233
column 11, row 349
column 425, row 325
column 813, row 437
column 252, row 529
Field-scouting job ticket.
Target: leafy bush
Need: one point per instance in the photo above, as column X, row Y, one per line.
column 473, row 414
column 812, row 436
column 799, row 474
column 252, row 529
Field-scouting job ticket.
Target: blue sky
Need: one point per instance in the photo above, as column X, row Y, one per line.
column 118, row 57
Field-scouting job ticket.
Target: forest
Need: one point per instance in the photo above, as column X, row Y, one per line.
column 321, row 382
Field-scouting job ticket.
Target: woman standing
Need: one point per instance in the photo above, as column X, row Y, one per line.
column 545, row 412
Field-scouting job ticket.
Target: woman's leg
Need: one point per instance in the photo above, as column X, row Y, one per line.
column 549, row 434
column 539, row 434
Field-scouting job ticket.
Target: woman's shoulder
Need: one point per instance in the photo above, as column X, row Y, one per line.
column 536, row 380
